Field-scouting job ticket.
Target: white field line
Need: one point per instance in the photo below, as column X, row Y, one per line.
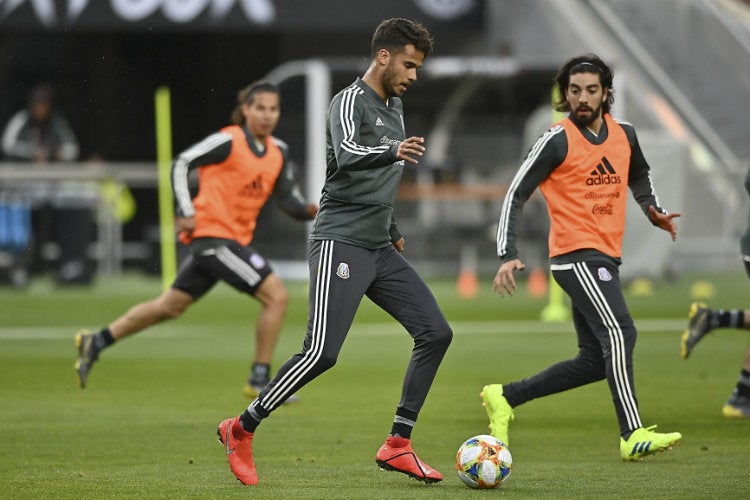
column 358, row 329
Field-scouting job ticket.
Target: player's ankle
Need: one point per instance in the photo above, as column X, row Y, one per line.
column 397, row 441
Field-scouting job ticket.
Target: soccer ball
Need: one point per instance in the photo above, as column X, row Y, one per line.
column 483, row 462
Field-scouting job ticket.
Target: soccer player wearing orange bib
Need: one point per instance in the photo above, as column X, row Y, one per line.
column 239, row 168
column 584, row 166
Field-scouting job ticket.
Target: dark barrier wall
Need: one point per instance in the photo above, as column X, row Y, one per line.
column 107, row 57
column 212, row 15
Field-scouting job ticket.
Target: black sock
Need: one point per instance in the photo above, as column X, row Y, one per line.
column 729, row 318
column 713, row 318
column 107, row 335
column 401, row 430
column 248, row 422
column 103, row 339
column 743, row 384
column 261, row 373
column 403, row 424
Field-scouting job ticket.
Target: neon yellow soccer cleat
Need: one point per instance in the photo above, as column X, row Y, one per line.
column 737, row 406
column 644, row 441
column 697, row 327
column 498, row 409
column 87, row 355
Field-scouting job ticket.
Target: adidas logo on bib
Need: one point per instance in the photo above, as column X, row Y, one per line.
column 603, row 173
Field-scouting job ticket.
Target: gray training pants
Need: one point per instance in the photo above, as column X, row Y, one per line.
column 606, row 339
column 340, row 275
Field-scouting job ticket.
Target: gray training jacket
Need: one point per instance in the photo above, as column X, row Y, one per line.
column 362, row 175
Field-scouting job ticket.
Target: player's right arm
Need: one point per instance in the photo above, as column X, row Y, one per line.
column 504, row 281
column 287, row 191
column 213, row 149
column 545, row 155
column 16, row 143
column 344, row 121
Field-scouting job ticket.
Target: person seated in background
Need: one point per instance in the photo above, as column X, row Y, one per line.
column 61, row 212
column 39, row 133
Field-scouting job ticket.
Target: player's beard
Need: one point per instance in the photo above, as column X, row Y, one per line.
column 388, row 81
column 594, row 114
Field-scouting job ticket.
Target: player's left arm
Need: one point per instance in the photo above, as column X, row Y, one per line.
column 397, row 240
column 344, row 122
column 287, row 191
column 642, row 187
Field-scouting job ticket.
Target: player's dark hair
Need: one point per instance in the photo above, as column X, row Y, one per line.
column 247, row 96
column 587, row 63
column 395, row 34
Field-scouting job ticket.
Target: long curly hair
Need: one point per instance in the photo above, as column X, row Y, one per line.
column 586, row 63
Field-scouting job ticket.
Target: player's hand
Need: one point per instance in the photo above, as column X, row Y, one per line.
column 312, row 210
column 185, row 225
column 664, row 221
column 400, row 244
column 411, row 148
column 504, row 280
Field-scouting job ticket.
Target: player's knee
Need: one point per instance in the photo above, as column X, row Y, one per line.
column 629, row 336
column 170, row 305
column 273, row 294
column 166, row 309
column 591, row 364
column 170, row 312
column 443, row 334
column 589, row 358
column 280, row 298
column 435, row 340
column 326, row 362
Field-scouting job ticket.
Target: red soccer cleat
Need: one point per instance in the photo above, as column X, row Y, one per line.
column 396, row 454
column 238, row 443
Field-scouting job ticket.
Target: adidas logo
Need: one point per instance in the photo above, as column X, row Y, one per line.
column 379, row 122
column 253, row 189
column 640, row 447
column 604, row 173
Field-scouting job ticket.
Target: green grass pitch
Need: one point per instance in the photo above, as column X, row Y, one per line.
column 145, row 427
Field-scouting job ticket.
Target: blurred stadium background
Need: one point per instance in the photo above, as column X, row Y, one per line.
column 682, row 78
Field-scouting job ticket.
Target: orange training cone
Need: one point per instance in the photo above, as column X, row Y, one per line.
column 537, row 284
column 467, row 284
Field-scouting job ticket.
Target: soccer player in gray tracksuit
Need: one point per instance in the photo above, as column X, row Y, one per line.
column 704, row 319
column 354, row 251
